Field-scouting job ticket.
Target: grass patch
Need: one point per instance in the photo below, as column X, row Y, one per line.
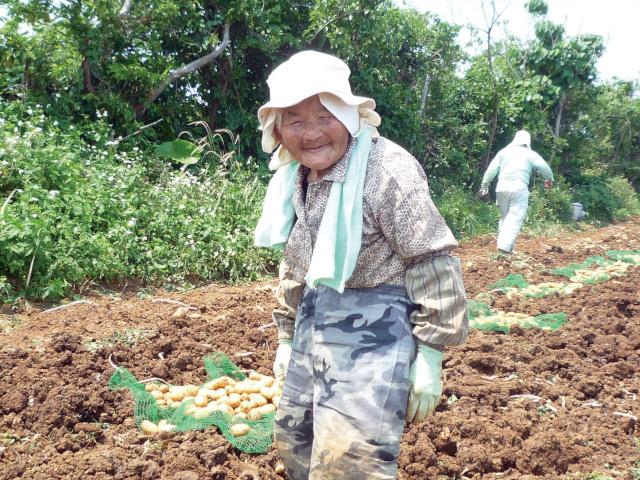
column 129, row 338
column 9, row 323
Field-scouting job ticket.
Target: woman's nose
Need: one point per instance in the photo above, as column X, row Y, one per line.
column 311, row 134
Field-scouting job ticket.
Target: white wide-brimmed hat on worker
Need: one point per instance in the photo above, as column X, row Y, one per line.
column 522, row 138
column 303, row 75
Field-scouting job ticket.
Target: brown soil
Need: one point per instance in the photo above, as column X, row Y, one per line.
column 527, row 405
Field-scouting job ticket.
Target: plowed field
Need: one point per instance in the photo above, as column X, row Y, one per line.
column 524, row 405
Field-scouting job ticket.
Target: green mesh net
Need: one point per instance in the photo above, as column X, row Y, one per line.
column 584, row 272
column 483, row 317
column 256, row 436
column 546, row 321
column 628, row 256
column 593, row 270
column 478, row 309
column 599, row 269
column 516, row 284
column 514, row 280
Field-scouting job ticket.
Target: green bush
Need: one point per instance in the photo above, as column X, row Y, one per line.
column 550, row 206
column 628, row 200
column 75, row 210
column 606, row 198
column 465, row 215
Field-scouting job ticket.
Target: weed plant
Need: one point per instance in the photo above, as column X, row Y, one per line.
column 466, row 216
column 75, row 208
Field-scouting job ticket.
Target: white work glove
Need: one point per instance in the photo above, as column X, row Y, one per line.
column 484, row 192
column 426, row 384
column 281, row 363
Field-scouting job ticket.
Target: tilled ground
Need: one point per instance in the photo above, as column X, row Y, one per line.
column 527, row 405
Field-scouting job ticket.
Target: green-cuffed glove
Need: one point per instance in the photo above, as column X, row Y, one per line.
column 426, row 384
column 281, row 363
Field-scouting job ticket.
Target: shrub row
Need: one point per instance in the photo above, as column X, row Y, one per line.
column 75, row 209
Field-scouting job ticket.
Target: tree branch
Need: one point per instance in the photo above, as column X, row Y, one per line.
column 493, row 123
column 126, row 9
column 425, row 94
column 141, row 129
column 329, row 22
column 187, row 69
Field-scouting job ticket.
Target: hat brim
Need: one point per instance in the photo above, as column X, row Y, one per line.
column 347, row 98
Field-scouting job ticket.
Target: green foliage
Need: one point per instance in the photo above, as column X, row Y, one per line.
column 628, row 200
column 78, row 209
column 537, row 7
column 606, row 198
column 82, row 57
column 549, row 206
column 604, row 132
column 180, row 151
column 466, row 216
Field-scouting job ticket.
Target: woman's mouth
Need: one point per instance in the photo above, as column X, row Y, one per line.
column 315, row 149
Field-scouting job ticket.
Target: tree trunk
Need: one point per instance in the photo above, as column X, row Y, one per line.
column 425, row 94
column 214, row 104
column 493, row 124
column 563, row 101
column 26, row 76
column 86, row 77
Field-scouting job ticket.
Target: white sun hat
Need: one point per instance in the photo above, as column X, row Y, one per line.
column 522, row 137
column 309, row 73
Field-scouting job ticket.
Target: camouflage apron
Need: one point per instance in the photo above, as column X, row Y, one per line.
column 342, row 410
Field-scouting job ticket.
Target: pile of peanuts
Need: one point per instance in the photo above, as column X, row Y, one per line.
column 251, row 399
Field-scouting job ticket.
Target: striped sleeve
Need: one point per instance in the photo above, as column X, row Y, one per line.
column 436, row 286
column 288, row 295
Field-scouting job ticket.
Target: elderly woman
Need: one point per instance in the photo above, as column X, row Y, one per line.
column 369, row 294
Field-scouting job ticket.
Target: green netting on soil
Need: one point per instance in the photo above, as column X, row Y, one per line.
column 488, row 326
column 478, row 309
column 546, row 321
column 259, row 438
column 495, row 323
column 517, row 283
column 513, row 280
column 483, row 317
column 628, row 256
column 541, row 293
column 570, row 270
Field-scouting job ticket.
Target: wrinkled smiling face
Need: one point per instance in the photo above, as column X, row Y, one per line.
column 313, row 136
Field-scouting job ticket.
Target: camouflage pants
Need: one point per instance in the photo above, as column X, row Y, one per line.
column 342, row 410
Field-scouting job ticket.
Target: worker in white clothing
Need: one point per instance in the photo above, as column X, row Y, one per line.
column 513, row 165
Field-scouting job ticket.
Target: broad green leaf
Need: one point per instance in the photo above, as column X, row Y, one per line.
column 180, row 151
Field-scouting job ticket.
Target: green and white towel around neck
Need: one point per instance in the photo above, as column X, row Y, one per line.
column 340, row 234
